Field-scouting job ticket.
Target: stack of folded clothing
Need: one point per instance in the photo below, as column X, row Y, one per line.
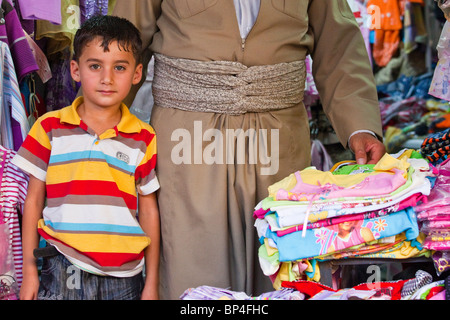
column 434, row 218
column 421, row 287
column 350, row 211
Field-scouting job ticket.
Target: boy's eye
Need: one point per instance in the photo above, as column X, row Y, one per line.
column 94, row 66
column 120, row 68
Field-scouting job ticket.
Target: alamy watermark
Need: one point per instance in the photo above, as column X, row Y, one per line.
column 230, row 146
column 73, row 281
column 375, row 17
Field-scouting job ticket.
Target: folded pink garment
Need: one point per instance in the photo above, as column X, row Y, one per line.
column 260, row 213
column 372, row 186
column 438, row 296
column 437, row 224
column 436, row 245
column 438, row 213
column 409, row 202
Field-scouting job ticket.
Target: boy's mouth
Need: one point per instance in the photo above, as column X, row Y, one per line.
column 106, row 91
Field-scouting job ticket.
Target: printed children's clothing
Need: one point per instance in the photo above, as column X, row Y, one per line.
column 321, row 241
column 321, row 225
column 434, row 215
column 293, row 215
column 388, row 175
column 285, row 214
column 399, row 249
column 344, row 218
column 382, row 184
column 92, row 184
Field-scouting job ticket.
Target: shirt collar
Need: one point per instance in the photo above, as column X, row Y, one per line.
column 128, row 123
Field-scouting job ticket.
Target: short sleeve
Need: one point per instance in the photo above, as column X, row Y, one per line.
column 34, row 153
column 145, row 174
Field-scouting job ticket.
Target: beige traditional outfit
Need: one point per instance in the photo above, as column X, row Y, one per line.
column 230, row 121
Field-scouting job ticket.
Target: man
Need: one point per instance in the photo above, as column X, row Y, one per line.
column 233, row 71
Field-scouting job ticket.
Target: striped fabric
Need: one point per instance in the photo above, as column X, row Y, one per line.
column 11, row 104
column 13, row 189
column 12, row 33
column 92, row 185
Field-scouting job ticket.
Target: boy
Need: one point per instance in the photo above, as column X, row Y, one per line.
column 87, row 163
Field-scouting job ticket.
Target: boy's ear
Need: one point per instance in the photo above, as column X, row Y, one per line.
column 138, row 74
column 75, row 70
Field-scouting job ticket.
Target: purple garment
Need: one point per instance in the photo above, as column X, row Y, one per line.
column 214, row 293
column 17, row 134
column 41, row 10
column 90, row 8
column 27, row 25
column 11, row 32
column 61, row 89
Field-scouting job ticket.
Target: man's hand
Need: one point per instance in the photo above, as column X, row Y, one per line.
column 367, row 148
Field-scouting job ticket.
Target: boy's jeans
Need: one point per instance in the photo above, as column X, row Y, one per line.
column 60, row 280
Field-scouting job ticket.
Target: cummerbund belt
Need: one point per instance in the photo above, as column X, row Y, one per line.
column 226, row 86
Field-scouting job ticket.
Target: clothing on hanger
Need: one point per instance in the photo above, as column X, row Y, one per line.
column 13, row 189
column 13, row 117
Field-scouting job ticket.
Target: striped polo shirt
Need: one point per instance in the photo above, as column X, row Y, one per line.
column 92, row 183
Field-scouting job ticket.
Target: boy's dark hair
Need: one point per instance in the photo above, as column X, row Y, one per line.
column 110, row 28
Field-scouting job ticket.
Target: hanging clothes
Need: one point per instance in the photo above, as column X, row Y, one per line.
column 89, row 8
column 11, row 33
column 13, row 189
column 13, row 117
column 387, row 25
column 49, row 10
column 60, row 36
column 414, row 30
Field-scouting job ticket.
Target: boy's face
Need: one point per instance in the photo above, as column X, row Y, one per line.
column 106, row 77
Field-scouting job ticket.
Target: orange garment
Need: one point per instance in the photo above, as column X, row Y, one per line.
column 445, row 123
column 386, row 21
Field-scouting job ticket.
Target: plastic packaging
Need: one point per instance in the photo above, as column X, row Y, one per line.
column 440, row 85
column 441, row 260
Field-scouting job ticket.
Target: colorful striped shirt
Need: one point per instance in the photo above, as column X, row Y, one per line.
column 92, row 185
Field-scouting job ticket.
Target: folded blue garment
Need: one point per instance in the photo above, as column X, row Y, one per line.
column 320, row 241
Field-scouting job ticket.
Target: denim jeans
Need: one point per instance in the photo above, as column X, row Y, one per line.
column 61, row 280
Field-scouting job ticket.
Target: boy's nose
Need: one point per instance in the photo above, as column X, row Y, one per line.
column 107, row 77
